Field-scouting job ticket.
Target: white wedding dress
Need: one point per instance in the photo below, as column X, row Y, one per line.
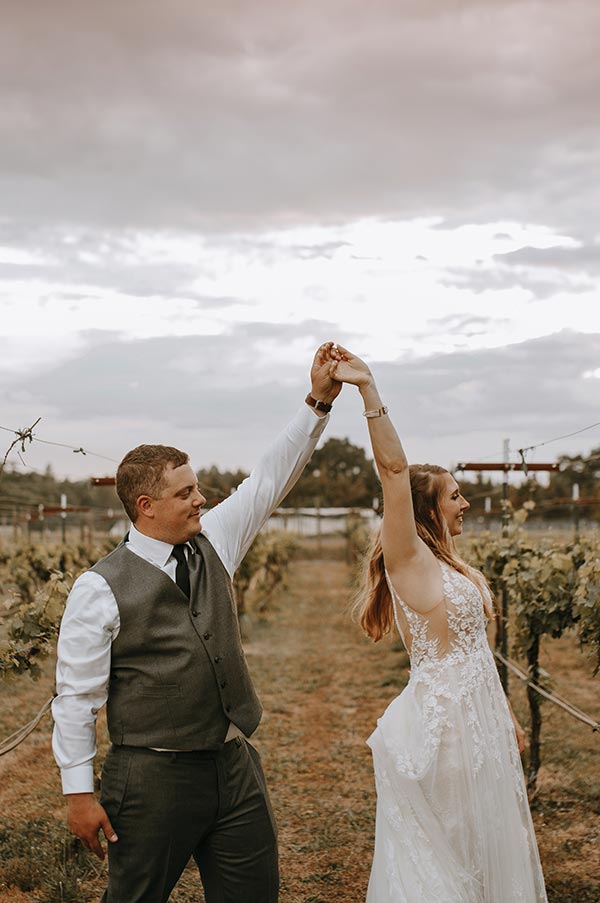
column 453, row 822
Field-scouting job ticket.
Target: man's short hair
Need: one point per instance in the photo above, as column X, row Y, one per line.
column 141, row 472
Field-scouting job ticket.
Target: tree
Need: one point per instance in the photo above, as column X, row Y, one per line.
column 216, row 484
column 339, row 475
column 583, row 470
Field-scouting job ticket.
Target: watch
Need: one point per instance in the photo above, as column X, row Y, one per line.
column 318, row 405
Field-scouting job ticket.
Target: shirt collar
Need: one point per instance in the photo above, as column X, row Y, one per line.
column 154, row 550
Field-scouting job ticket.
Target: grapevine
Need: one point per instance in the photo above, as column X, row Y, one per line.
column 35, row 583
column 553, row 587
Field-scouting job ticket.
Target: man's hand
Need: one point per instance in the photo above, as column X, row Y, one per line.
column 323, row 387
column 85, row 817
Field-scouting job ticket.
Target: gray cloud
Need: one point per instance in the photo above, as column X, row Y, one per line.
column 245, row 114
column 149, row 280
column 216, row 379
column 464, row 324
column 535, row 387
column 98, row 258
column 542, row 271
column 101, row 258
column 484, row 279
column 221, row 398
column 584, row 259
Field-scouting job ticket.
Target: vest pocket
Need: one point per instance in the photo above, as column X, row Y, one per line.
column 156, row 690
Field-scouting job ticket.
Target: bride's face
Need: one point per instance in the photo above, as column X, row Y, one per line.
column 452, row 504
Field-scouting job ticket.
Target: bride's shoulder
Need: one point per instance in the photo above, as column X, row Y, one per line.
column 418, row 582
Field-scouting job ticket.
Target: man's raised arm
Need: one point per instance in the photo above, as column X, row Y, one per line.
column 232, row 525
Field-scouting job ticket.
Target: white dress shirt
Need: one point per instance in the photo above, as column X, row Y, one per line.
column 91, row 619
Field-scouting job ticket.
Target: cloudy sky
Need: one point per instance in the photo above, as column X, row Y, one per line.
column 195, row 194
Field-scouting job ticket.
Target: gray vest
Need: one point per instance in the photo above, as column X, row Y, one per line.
column 178, row 671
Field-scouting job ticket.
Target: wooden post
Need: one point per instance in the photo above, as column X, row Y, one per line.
column 42, row 521
column 63, row 517
column 575, row 507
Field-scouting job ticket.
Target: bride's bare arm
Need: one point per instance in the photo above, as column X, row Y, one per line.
column 401, row 544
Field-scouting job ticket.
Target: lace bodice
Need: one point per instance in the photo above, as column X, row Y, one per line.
column 454, row 628
column 451, row 662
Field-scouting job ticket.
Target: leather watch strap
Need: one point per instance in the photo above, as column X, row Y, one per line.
column 318, row 405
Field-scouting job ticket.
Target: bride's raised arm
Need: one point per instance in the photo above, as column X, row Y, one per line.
column 401, row 544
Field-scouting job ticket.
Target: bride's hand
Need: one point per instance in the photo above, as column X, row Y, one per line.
column 350, row 369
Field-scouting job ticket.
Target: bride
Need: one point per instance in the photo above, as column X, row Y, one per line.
column 453, row 822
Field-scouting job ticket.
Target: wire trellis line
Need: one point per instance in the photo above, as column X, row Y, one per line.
column 552, row 697
column 584, row 429
column 12, row 741
column 24, row 435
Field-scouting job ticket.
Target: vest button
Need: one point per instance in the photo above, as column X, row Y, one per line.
column 217, row 659
column 227, row 708
column 206, row 636
column 195, row 613
column 223, row 684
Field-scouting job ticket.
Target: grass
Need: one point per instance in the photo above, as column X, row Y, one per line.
column 43, row 860
column 323, row 685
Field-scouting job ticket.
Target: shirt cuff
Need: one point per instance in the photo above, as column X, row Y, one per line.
column 309, row 422
column 78, row 779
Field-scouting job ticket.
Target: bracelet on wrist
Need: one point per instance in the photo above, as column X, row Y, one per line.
column 318, row 405
column 378, row 412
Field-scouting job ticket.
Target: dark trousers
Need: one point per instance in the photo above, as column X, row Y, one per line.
column 166, row 807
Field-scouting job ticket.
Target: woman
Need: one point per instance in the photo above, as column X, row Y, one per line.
column 453, row 822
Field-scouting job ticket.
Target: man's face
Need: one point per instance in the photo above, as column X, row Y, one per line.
column 175, row 515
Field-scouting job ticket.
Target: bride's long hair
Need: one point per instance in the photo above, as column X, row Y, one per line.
column 373, row 607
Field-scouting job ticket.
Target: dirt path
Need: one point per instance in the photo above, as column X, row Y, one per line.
column 321, row 684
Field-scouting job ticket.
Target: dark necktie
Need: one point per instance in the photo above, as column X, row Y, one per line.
column 182, row 574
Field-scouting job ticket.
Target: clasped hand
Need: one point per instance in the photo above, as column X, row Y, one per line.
column 323, row 386
column 345, row 367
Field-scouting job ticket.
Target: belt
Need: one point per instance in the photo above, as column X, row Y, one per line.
column 183, row 754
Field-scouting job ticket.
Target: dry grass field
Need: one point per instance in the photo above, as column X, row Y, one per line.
column 323, row 686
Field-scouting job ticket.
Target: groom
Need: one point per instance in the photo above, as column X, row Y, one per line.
column 151, row 630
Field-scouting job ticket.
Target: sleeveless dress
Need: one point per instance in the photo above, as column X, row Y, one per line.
column 453, row 822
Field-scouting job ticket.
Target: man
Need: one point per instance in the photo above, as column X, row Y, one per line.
column 152, row 631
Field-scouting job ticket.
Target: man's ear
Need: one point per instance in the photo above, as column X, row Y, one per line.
column 145, row 505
